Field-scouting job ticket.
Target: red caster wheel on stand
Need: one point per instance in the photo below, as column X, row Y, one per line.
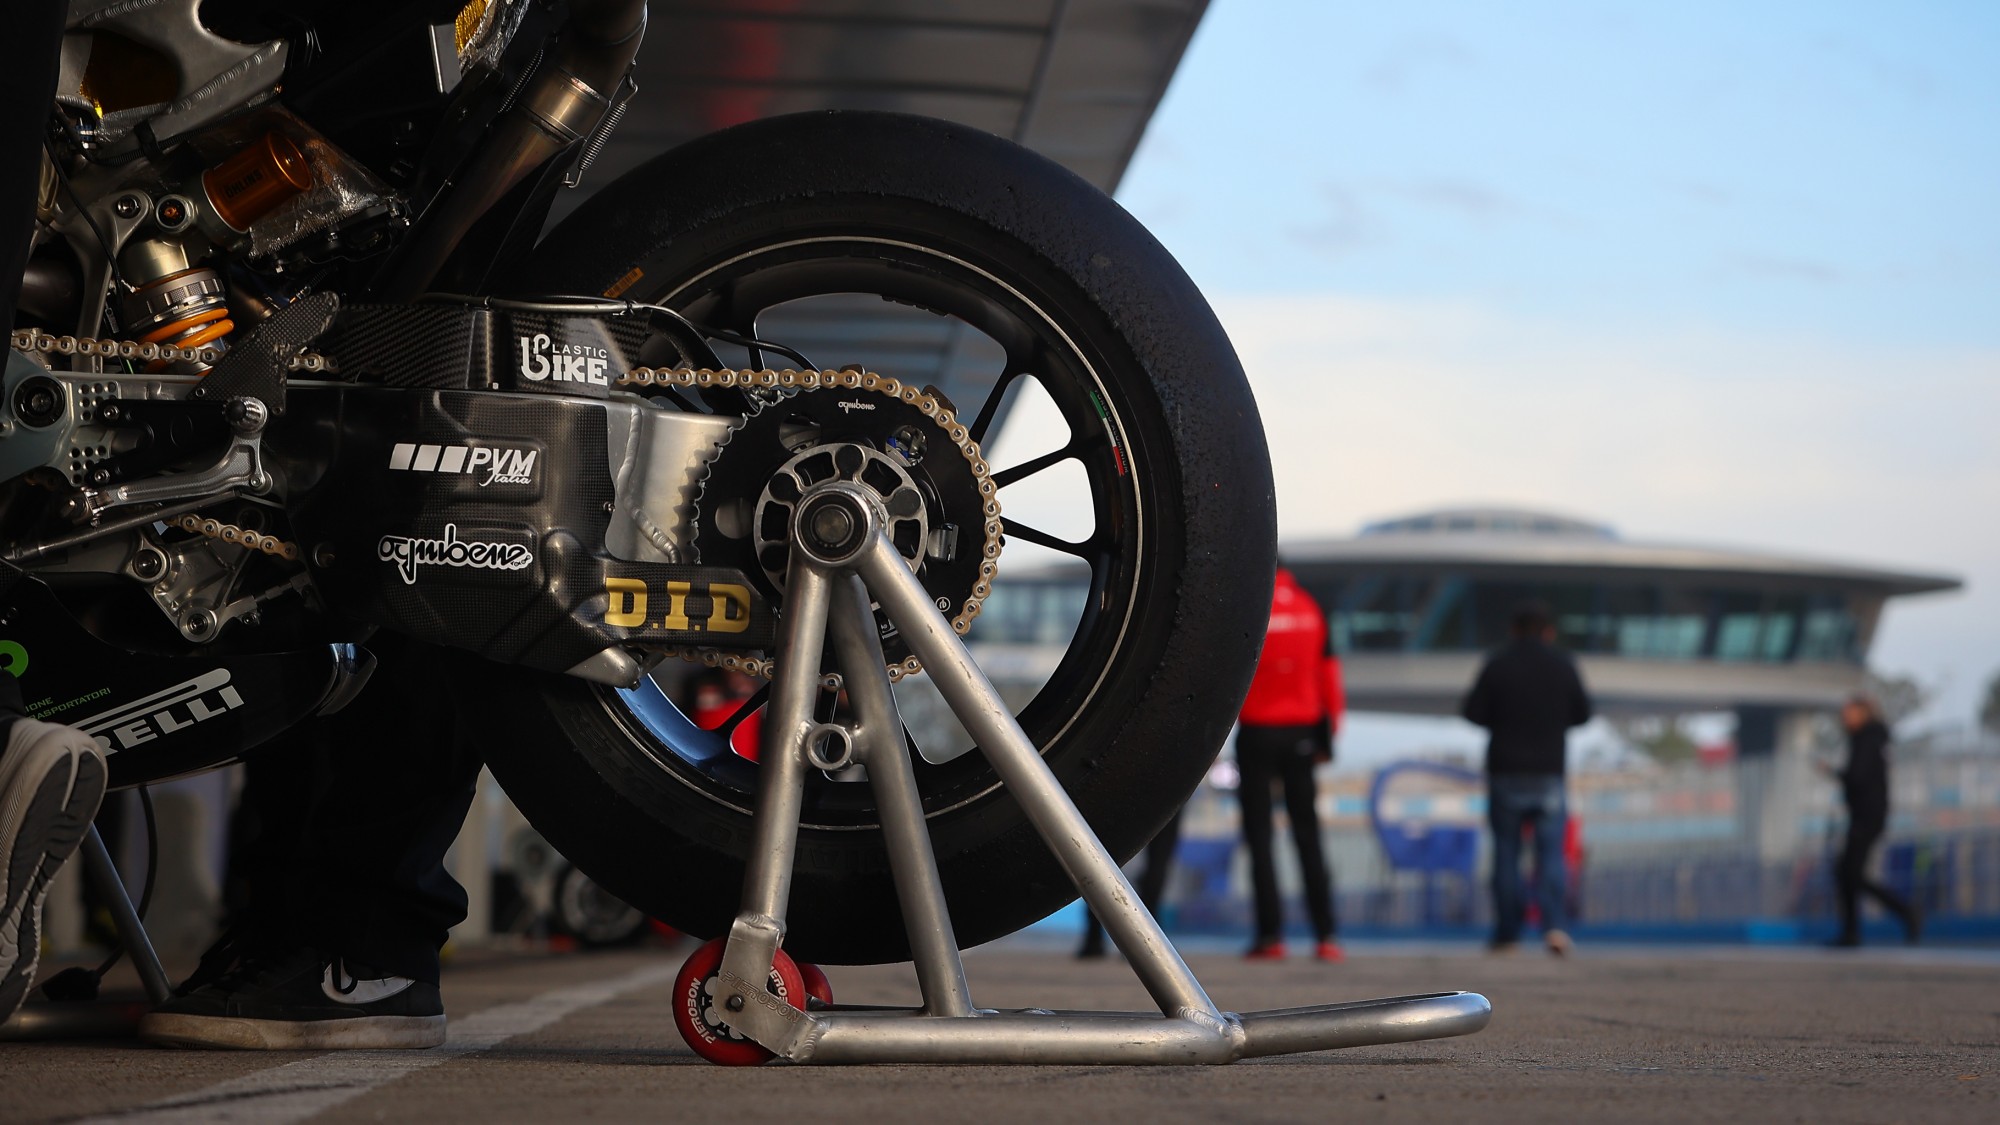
column 699, row 1016
column 817, row 986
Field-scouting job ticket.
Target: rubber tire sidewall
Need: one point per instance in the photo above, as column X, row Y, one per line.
column 1153, row 729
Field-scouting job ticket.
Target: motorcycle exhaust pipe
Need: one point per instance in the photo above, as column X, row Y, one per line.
column 558, row 109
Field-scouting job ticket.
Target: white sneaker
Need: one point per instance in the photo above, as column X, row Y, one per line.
column 51, row 780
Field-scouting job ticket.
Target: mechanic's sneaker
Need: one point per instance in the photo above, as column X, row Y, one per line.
column 51, row 780
column 1330, row 952
column 300, row 1001
column 1266, row 951
column 1558, row 943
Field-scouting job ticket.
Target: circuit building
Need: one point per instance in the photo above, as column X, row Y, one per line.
column 1415, row 603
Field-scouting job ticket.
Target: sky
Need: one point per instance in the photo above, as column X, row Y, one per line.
column 1713, row 273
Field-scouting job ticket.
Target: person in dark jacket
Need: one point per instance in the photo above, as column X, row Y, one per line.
column 1287, row 727
column 1527, row 696
column 1864, row 783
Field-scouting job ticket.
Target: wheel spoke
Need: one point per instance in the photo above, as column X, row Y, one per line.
column 750, row 330
column 1026, row 469
column 749, row 708
column 1087, row 550
column 991, row 407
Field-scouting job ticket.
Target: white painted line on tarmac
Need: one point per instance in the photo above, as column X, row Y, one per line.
column 296, row 1091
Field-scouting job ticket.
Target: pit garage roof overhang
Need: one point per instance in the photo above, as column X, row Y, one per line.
column 1076, row 80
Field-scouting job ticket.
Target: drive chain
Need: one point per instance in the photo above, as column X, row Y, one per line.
column 41, row 343
column 238, row 536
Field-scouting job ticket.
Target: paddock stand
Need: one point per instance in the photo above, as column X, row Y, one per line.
column 840, row 561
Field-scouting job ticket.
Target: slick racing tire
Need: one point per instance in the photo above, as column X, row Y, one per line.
column 1165, row 446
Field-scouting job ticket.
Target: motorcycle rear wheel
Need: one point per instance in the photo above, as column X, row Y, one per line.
column 1163, row 427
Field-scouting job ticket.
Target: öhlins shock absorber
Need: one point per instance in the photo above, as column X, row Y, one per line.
column 175, row 301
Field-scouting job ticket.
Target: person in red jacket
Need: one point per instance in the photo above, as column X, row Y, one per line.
column 1287, row 727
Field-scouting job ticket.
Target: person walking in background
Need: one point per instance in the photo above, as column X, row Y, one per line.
column 1864, row 784
column 1287, row 727
column 1527, row 696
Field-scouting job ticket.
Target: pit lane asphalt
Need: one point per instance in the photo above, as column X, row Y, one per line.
column 1625, row 1034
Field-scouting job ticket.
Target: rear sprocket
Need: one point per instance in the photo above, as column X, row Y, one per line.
column 905, row 444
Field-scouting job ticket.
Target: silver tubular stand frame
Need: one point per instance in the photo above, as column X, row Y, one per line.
column 841, row 560
column 75, row 1019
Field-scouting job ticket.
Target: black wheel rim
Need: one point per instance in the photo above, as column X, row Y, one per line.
column 1071, row 368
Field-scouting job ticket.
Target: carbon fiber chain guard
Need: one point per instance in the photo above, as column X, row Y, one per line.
column 477, row 520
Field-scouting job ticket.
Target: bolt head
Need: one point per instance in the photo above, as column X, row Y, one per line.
column 832, row 524
column 910, row 441
column 127, row 206
column 734, row 1003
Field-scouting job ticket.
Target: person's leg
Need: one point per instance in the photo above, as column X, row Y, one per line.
column 30, row 54
column 1504, row 816
column 1304, row 815
column 1550, row 823
column 1093, row 936
column 369, row 880
column 352, row 902
column 347, row 819
column 52, row 777
column 1255, row 773
column 1152, row 883
column 1847, row 877
column 1892, row 902
column 1866, row 835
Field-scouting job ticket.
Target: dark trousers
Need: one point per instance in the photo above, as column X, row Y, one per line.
column 1151, row 884
column 1266, row 757
column 1534, row 801
column 1850, row 873
column 345, row 821
column 341, row 839
column 29, row 53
